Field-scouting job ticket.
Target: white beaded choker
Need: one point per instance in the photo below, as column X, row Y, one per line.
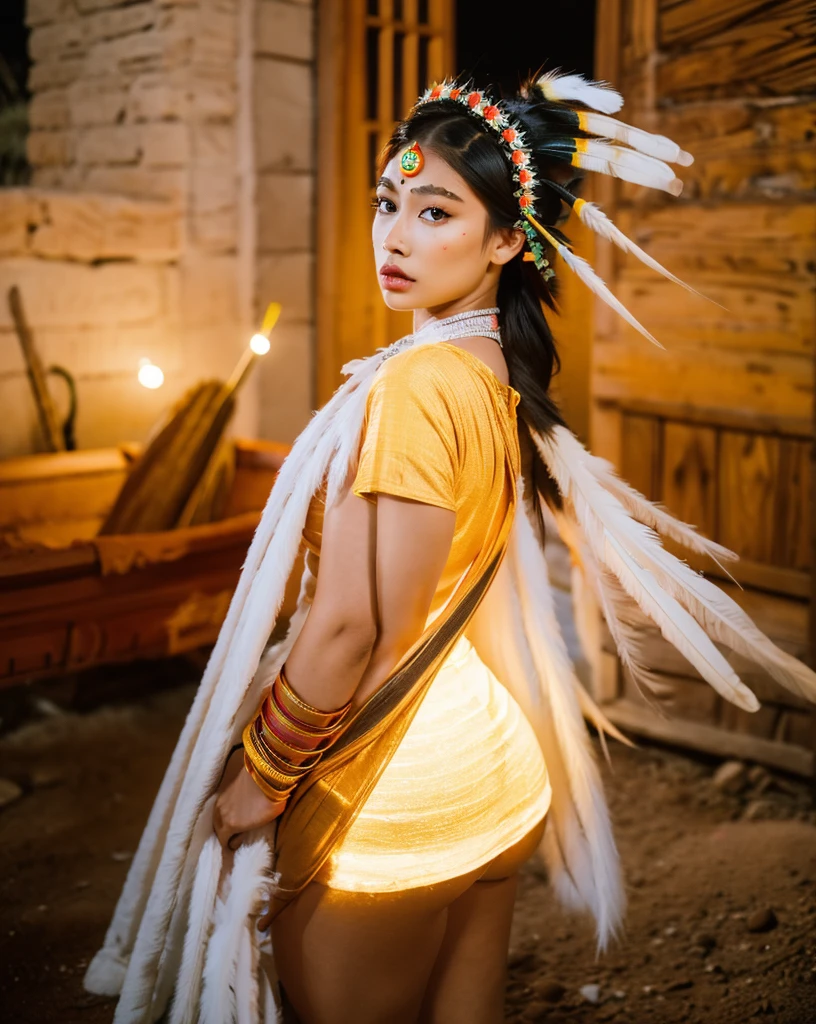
column 475, row 323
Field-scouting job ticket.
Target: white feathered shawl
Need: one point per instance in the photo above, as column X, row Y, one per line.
column 183, row 926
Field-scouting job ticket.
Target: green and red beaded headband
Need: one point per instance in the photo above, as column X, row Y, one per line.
column 510, row 135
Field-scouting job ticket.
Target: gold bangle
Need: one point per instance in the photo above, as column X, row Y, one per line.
column 278, row 758
column 268, row 791
column 274, row 770
column 298, row 728
column 279, row 746
column 303, row 712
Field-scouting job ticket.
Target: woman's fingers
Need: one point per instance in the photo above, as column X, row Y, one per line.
column 241, row 807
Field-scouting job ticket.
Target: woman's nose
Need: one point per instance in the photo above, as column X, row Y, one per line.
column 394, row 242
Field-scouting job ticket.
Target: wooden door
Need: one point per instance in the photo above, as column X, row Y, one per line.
column 374, row 59
column 720, row 426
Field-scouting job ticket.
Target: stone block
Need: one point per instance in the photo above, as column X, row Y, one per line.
column 158, row 97
column 213, row 99
column 111, row 350
column 140, row 183
column 214, row 187
column 213, row 351
column 54, row 73
column 122, row 21
column 87, row 6
column 285, row 211
column 209, row 290
column 64, row 295
column 16, row 210
column 54, row 42
column 165, row 144
column 110, row 144
column 49, row 109
column 129, row 55
column 98, row 101
column 281, row 86
column 88, row 227
column 283, row 30
column 20, row 432
column 213, row 142
column 215, row 232
column 285, row 382
column 288, row 280
column 48, row 149
column 42, row 12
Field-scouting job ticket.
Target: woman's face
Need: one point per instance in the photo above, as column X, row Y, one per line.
column 429, row 238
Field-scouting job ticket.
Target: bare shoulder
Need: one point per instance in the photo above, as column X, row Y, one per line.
column 489, row 352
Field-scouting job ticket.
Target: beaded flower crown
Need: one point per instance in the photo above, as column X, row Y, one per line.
column 582, row 138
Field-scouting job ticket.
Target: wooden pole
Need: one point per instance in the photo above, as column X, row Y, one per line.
column 36, row 375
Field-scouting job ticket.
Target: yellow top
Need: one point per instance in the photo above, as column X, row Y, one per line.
column 468, row 778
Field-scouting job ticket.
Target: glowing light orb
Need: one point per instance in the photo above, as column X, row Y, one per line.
column 150, row 375
column 259, row 344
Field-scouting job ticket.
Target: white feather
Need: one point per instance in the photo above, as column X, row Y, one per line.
column 560, row 87
column 594, row 217
column 618, row 541
column 628, row 165
column 202, row 905
column 579, row 266
column 645, row 142
column 248, row 882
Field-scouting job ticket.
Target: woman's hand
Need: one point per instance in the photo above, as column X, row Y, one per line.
column 240, row 805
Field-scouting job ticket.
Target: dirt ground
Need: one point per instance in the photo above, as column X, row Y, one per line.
column 721, row 925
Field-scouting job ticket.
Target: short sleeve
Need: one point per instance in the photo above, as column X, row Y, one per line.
column 409, row 445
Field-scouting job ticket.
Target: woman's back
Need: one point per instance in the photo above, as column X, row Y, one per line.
column 440, row 427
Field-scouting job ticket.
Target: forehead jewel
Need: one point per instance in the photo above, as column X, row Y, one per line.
column 412, row 160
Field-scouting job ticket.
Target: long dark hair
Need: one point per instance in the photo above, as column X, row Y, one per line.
column 450, row 132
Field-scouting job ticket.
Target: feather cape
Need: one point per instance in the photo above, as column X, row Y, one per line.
column 179, row 905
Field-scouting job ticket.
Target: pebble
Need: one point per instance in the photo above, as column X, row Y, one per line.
column 550, row 991
column 731, row 777
column 758, row 810
column 9, row 792
column 592, row 993
column 762, row 921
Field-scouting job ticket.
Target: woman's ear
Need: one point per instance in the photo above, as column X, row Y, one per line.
column 507, row 243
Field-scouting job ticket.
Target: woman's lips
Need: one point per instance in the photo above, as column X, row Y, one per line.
column 394, row 279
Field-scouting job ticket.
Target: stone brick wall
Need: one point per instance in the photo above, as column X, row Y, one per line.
column 169, row 205
column 284, row 155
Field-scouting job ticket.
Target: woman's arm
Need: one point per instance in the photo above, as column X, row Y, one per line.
column 380, row 564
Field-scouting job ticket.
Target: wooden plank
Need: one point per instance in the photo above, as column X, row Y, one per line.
column 641, row 454
column 748, row 151
column 685, row 22
column 711, row 739
column 689, row 475
column 769, row 52
column 739, row 420
column 794, row 533
column 778, row 386
column 748, row 494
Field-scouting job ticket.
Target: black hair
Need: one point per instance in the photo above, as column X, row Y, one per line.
column 474, row 152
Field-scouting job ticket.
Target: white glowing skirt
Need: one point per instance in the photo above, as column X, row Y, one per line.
column 467, row 781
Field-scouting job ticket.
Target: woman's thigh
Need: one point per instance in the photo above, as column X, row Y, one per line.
column 362, row 958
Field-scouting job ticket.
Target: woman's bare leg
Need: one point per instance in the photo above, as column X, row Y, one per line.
column 362, row 958
column 468, row 980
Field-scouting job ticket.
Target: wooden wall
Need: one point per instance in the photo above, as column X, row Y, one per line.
column 719, row 426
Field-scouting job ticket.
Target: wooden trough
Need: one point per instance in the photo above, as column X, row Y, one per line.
column 71, row 599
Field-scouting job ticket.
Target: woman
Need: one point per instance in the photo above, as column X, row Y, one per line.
column 418, row 733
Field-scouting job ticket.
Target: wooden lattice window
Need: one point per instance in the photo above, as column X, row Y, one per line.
column 375, row 57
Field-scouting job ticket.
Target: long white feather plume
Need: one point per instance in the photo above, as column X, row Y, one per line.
column 615, row 538
column 594, row 217
column 558, row 86
column 627, row 164
column 658, row 146
column 248, row 881
column 579, row 266
column 199, row 926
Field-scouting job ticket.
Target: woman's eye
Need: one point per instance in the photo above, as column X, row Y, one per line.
column 383, row 205
column 436, row 214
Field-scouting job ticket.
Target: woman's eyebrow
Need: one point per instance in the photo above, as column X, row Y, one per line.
column 386, row 183
column 435, row 190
